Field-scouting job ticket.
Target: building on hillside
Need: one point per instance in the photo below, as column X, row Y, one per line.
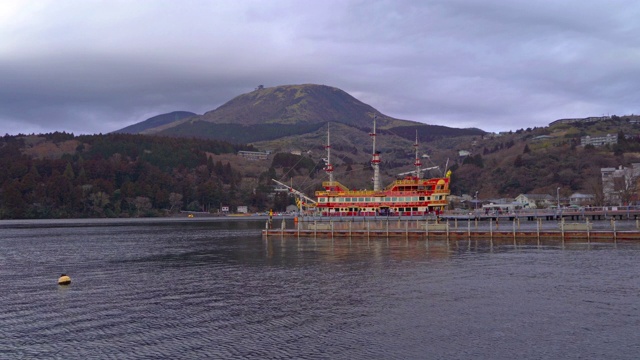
column 501, row 206
column 465, row 201
column 599, row 140
column 620, row 185
column 243, row 209
column 542, row 138
column 455, row 201
column 253, row 155
column 579, row 199
column 535, row 201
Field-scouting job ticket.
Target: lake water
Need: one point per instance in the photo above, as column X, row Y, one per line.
column 215, row 289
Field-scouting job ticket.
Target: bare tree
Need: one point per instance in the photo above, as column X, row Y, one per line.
column 626, row 186
column 143, row 204
column 175, row 200
column 99, row 200
column 594, row 186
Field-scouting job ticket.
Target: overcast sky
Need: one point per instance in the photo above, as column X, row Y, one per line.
column 87, row 66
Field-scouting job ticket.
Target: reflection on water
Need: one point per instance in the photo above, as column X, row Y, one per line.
column 217, row 289
column 401, row 249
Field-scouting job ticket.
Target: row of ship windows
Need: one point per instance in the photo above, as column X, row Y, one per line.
column 380, row 200
column 420, row 188
column 365, row 210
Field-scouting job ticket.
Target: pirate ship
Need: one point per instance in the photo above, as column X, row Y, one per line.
column 409, row 195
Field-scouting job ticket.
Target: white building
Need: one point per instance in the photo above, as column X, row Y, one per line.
column 599, row 140
column 535, row 201
column 620, row 184
column 253, row 155
column 579, row 199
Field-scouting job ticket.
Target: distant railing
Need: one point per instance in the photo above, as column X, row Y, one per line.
column 352, row 225
column 630, row 211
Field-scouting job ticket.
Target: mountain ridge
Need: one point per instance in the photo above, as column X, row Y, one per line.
column 288, row 109
column 155, row 122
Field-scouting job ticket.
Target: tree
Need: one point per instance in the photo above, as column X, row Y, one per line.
column 194, row 206
column 595, row 187
column 518, row 161
column 12, row 204
column 99, row 200
column 30, row 180
column 68, row 172
column 62, row 194
column 208, row 193
column 626, row 186
column 474, row 160
column 176, row 202
column 142, row 204
column 280, row 201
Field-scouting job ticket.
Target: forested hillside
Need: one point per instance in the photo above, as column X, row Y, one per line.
column 113, row 175
column 543, row 159
column 60, row 175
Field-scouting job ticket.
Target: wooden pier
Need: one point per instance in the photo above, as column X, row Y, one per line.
column 581, row 214
column 598, row 231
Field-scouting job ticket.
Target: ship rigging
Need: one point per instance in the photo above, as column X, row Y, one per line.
column 410, row 195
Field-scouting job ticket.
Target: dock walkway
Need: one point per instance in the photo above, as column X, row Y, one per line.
column 454, row 230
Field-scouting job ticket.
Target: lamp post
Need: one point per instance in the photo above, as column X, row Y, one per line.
column 558, row 196
column 476, row 196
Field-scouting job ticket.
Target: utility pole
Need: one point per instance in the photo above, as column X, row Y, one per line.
column 476, row 200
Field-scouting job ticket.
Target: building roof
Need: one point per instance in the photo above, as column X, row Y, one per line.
column 582, row 196
column 537, row 196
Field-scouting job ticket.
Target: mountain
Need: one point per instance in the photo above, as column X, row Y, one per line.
column 267, row 114
column 298, row 104
column 155, row 122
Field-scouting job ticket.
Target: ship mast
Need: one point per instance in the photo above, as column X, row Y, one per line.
column 417, row 163
column 328, row 168
column 375, row 160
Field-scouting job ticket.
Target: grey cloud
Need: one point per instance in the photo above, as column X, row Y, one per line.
column 490, row 64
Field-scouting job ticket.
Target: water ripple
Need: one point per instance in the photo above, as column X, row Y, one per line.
column 185, row 292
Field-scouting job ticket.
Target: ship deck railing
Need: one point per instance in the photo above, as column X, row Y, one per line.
column 381, row 193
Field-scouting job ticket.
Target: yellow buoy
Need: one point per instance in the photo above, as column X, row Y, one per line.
column 64, row 280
